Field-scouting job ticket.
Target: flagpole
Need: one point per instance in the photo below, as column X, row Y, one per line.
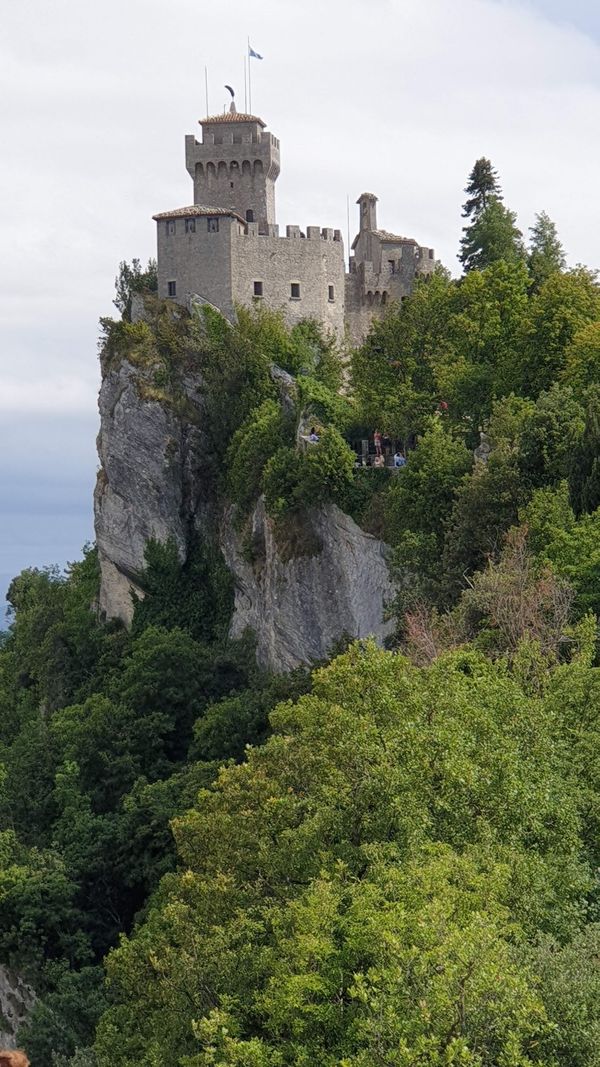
column 206, row 89
column 245, row 86
column 249, row 79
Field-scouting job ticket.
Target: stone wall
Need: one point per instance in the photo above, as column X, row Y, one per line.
column 199, row 263
column 314, row 262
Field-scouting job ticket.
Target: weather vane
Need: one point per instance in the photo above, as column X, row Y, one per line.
column 232, row 106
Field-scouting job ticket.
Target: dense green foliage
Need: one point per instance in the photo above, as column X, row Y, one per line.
column 395, row 861
column 104, row 737
column 372, row 882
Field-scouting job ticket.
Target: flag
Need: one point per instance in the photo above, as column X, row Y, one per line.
column 252, row 53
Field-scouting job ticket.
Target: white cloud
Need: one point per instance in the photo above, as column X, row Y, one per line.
column 396, row 96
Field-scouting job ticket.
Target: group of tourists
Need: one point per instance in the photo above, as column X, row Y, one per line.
column 383, row 447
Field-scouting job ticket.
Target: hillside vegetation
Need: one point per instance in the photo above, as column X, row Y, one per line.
column 391, row 860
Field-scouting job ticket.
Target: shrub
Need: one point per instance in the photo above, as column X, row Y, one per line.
column 261, row 435
column 293, row 479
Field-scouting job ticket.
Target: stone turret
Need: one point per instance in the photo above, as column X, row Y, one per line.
column 235, row 166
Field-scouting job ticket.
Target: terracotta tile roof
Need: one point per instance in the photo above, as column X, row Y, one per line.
column 231, row 116
column 197, row 209
column 385, row 235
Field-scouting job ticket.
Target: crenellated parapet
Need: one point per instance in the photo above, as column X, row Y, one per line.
column 235, row 165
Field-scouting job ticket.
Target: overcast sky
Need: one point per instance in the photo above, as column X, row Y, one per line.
column 397, row 97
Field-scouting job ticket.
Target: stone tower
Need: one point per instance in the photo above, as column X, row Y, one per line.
column 235, row 166
column 367, row 221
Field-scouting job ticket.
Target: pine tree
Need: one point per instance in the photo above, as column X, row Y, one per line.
column 493, row 236
column 546, row 253
column 483, row 185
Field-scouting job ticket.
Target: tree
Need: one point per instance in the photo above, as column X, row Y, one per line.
column 493, row 236
column 420, row 501
column 582, row 359
column 548, row 436
column 483, row 185
column 486, row 505
column 132, row 279
column 563, row 305
column 360, row 882
column 570, row 545
column 569, row 986
column 392, row 371
column 546, row 254
column 584, row 473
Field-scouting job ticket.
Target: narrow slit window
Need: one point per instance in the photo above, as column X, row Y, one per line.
column 331, row 296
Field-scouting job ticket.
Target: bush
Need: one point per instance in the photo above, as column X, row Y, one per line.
column 294, row 480
column 262, row 434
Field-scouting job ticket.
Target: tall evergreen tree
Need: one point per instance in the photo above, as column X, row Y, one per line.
column 546, row 253
column 482, row 186
column 584, row 475
column 494, row 235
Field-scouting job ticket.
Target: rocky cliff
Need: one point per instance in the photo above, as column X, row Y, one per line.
column 152, row 482
column 157, row 480
column 16, row 1002
column 299, row 608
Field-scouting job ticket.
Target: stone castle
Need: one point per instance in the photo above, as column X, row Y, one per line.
column 225, row 249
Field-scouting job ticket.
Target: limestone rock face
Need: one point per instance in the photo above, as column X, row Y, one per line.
column 152, row 483
column 300, row 607
column 16, row 1001
column 157, row 480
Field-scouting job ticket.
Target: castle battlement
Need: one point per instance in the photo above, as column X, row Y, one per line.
column 226, row 248
column 293, row 233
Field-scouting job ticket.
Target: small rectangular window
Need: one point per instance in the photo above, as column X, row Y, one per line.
column 392, row 265
column 331, row 294
column 170, row 227
column 295, row 290
column 258, row 288
column 190, row 225
column 172, row 288
column 212, row 225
